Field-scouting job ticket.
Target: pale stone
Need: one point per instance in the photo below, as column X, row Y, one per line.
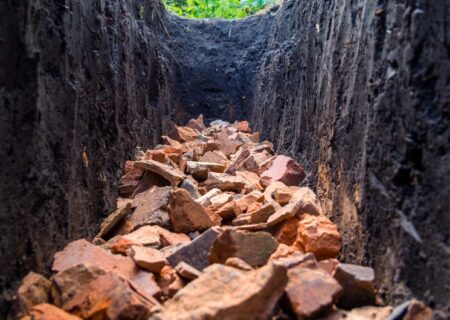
column 187, row 271
column 223, row 292
column 224, row 182
column 171, row 174
column 205, row 200
column 113, row 219
column 186, row 215
column 308, row 201
column 311, row 292
column 255, row 248
column 149, row 259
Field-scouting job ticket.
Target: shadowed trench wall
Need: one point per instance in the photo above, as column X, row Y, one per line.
column 356, row 90
column 359, row 92
column 82, row 84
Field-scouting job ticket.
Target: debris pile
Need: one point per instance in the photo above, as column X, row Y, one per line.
column 210, row 225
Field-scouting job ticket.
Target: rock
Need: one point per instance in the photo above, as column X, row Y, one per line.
column 418, row 311
column 284, row 195
column 243, row 126
column 47, row 311
column 120, row 202
column 113, row 219
column 254, row 137
column 399, row 311
column 283, row 169
column 311, row 292
column 296, row 259
column 171, row 142
column 196, row 252
column 187, row 272
column 261, row 214
column 358, row 285
column 202, row 190
column 81, row 251
column 221, row 199
column 252, row 227
column 119, row 245
column 193, row 167
column 159, row 156
column 255, row 160
column 174, row 152
column 185, row 134
column 223, row 292
column 270, row 190
column 263, row 146
column 255, row 248
column 34, row 290
column 242, row 137
column 186, row 215
column 196, row 124
column 149, row 259
column 110, row 297
column 205, row 200
column 224, row 182
column 226, row 211
column 169, row 281
column 238, row 161
column 123, row 227
column 318, row 235
column 72, row 281
column 198, row 149
column 155, row 236
column 282, row 251
column 226, row 145
column 150, row 208
column 244, row 202
column 171, row 174
column 129, row 182
column 287, row 231
column 308, row 201
column 238, row 264
column 255, row 206
column 411, row 310
column 241, row 220
column 168, row 238
column 372, row 313
column 219, row 123
column 191, row 186
column 266, row 164
column 214, row 157
column 251, row 179
column 149, row 180
column 284, row 213
column 212, row 145
column 328, row 265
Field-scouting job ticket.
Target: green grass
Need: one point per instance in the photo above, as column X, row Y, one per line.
column 226, row 9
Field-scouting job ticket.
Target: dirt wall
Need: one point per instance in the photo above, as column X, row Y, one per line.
column 216, row 62
column 359, row 92
column 82, row 83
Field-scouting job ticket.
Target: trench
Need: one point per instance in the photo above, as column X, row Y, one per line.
column 356, row 91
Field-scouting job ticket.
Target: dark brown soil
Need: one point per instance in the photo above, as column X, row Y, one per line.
column 360, row 93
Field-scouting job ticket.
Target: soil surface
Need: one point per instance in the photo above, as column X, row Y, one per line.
column 357, row 91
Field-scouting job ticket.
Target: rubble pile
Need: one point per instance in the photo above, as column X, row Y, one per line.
column 211, row 224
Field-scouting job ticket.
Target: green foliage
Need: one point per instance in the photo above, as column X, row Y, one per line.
column 227, row 9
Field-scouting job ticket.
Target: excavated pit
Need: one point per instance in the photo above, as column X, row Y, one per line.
column 357, row 91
